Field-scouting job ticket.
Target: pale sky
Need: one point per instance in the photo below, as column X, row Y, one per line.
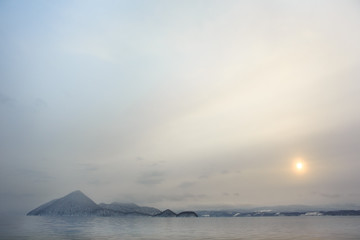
column 180, row 104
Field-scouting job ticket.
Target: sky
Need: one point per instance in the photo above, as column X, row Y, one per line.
column 180, row 104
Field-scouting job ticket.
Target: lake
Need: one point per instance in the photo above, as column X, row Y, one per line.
column 255, row 228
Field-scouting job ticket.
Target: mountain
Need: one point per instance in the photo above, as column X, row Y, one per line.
column 130, row 208
column 78, row 204
column 166, row 213
column 187, row 214
column 169, row 213
column 73, row 204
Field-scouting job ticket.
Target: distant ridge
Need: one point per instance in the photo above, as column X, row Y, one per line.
column 128, row 208
column 78, row 204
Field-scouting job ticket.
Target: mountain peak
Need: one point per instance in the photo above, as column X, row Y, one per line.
column 77, row 194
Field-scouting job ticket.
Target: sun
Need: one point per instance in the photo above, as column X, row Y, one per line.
column 299, row 166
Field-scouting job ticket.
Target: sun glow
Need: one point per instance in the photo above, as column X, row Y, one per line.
column 299, row 166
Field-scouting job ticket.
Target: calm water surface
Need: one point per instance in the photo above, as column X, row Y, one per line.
column 255, row 228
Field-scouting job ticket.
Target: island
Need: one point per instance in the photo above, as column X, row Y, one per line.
column 78, row 204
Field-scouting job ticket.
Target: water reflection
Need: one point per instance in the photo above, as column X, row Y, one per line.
column 89, row 228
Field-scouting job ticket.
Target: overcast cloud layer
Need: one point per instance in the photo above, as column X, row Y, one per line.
column 179, row 103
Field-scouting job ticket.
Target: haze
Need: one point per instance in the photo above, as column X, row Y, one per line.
column 180, row 104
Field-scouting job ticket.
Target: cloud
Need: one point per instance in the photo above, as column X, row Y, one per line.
column 330, row 195
column 4, row 99
column 40, row 103
column 187, row 184
column 151, row 178
column 89, row 167
column 98, row 182
column 35, row 175
column 162, row 198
